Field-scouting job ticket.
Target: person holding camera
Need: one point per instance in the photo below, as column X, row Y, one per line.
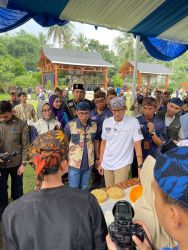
column 14, row 142
column 170, row 187
column 57, row 216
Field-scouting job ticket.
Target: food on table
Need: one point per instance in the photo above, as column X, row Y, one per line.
column 136, row 192
column 100, row 195
column 115, row 193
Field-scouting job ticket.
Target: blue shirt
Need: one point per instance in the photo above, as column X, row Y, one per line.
column 148, row 146
column 184, row 125
column 84, row 163
column 99, row 119
column 166, row 248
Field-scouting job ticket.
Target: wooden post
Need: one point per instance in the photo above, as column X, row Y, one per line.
column 42, row 78
column 139, row 80
column 148, row 82
column 166, row 83
column 55, row 75
column 106, row 78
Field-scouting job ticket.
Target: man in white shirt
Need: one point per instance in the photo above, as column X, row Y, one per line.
column 120, row 135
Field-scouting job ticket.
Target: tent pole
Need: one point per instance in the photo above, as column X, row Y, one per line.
column 136, row 53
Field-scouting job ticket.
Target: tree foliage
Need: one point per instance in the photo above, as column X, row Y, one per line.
column 19, row 54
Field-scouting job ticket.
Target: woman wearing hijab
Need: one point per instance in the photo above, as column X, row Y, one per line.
column 45, row 122
column 57, row 110
column 56, row 216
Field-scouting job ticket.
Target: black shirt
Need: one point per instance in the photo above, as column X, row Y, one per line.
column 60, row 218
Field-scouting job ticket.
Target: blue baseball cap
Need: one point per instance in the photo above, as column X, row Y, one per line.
column 82, row 106
column 176, row 101
column 171, row 174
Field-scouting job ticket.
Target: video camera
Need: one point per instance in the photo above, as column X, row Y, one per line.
column 122, row 228
column 6, row 156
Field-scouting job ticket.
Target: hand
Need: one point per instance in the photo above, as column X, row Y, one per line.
column 100, row 170
column 96, row 163
column 143, row 245
column 21, row 170
column 110, row 243
column 151, row 127
column 1, row 160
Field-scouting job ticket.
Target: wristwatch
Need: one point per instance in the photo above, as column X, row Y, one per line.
column 153, row 133
column 24, row 163
column 140, row 166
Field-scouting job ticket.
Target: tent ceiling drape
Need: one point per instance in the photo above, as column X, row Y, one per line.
column 152, row 20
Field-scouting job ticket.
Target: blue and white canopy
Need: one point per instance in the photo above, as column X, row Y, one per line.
column 151, row 19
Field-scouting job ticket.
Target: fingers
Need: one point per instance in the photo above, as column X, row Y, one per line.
column 101, row 171
column 141, row 245
column 141, row 223
column 110, row 243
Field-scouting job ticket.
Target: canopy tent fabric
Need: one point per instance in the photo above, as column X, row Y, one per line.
column 163, row 19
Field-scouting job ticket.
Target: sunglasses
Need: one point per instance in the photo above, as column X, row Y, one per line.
column 46, row 110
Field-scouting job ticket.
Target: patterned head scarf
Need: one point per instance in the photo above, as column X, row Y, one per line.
column 171, row 174
column 117, row 102
column 47, row 151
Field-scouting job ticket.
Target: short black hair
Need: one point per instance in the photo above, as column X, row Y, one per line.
column 5, row 106
column 149, row 101
column 22, row 93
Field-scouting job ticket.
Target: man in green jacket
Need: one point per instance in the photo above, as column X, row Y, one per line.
column 14, row 138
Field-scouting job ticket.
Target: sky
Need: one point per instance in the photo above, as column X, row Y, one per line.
column 105, row 36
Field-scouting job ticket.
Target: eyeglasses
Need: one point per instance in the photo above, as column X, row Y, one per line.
column 83, row 113
column 99, row 101
column 118, row 110
column 46, row 111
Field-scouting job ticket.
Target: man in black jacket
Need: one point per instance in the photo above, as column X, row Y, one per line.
column 171, row 117
column 56, row 216
column 14, row 140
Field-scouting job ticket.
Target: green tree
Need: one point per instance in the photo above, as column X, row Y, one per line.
column 124, row 46
column 10, row 68
column 42, row 40
column 81, row 41
column 32, row 79
column 117, row 80
column 62, row 35
column 26, row 48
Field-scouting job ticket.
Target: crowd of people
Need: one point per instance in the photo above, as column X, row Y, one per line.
column 86, row 145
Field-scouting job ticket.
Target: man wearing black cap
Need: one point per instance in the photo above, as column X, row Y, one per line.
column 70, row 106
column 81, row 135
column 171, row 116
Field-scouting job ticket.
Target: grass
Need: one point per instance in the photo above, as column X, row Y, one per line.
column 29, row 175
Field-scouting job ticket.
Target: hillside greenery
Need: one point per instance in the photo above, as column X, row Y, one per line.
column 19, row 54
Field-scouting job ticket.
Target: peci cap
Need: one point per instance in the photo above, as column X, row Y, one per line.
column 82, row 106
column 78, row 86
column 176, row 101
column 117, row 102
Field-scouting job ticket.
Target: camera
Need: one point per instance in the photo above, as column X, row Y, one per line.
column 122, row 228
column 6, row 156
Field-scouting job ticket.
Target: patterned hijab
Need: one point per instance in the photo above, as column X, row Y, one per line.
column 47, row 151
column 171, row 174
